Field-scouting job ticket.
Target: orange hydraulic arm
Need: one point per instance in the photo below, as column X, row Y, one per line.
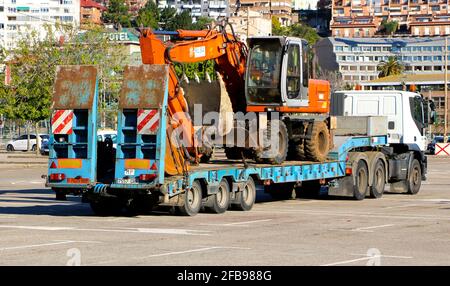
column 230, row 56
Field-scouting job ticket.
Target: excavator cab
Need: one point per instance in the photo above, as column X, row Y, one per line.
column 277, row 72
column 278, row 76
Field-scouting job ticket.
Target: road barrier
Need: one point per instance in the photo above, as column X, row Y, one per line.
column 442, row 149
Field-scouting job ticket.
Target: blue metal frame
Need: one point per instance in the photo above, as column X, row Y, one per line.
column 159, row 143
column 89, row 164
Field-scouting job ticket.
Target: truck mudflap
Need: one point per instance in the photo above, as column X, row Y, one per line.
column 142, row 122
column 73, row 141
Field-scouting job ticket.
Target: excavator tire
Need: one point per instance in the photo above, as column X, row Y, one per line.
column 279, row 156
column 318, row 145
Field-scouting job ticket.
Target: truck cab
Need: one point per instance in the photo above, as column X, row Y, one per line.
column 406, row 112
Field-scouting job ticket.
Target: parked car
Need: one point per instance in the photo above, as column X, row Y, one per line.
column 431, row 149
column 44, row 147
column 20, row 143
column 103, row 134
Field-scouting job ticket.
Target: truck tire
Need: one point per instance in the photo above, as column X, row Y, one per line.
column 361, row 183
column 245, row 199
column 278, row 156
column 219, row 203
column 192, row 200
column 379, row 180
column 414, row 178
column 106, row 207
column 318, row 144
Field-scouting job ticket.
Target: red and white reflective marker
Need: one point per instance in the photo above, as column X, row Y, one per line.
column 442, row 149
column 147, row 121
column 62, row 122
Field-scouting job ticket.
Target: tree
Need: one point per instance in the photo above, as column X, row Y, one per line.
column 277, row 29
column 148, row 16
column 390, row 67
column 296, row 30
column 389, row 27
column 33, row 63
column 167, row 17
column 202, row 23
column 182, row 20
column 117, row 13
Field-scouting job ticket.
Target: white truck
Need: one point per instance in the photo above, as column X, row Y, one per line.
column 406, row 112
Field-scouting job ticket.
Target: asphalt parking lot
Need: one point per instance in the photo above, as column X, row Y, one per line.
column 397, row 229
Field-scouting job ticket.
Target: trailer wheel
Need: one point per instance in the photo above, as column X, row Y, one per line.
column 379, row 180
column 245, row 199
column 361, row 184
column 219, row 203
column 318, row 145
column 414, row 178
column 278, row 156
column 192, row 200
column 106, row 207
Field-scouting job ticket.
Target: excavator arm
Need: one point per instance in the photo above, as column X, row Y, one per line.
column 230, row 56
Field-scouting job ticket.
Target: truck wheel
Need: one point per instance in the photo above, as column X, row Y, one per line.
column 246, row 198
column 361, row 184
column 192, row 200
column 219, row 203
column 379, row 180
column 106, row 207
column 318, row 145
column 280, row 191
column 414, row 178
column 277, row 156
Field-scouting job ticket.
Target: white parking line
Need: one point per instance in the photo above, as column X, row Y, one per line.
column 45, row 244
column 191, row 251
column 236, row 223
column 356, row 214
column 119, row 230
column 204, row 249
column 369, row 228
column 365, row 258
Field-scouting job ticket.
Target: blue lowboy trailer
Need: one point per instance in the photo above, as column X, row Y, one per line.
column 131, row 177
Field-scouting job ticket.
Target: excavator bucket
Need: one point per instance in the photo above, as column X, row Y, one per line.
column 213, row 97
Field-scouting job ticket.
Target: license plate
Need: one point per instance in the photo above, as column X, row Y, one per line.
column 127, row 181
column 129, row 172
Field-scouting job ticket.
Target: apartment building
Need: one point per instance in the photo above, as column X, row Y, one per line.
column 363, row 18
column 250, row 25
column 357, row 58
column 206, row 8
column 22, row 16
column 91, row 12
column 282, row 9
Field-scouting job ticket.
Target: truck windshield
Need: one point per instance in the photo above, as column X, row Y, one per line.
column 263, row 74
column 416, row 104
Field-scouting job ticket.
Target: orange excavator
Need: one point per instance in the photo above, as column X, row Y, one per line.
column 270, row 76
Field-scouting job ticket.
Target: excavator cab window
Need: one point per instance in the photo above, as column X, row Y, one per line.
column 263, row 76
column 293, row 72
